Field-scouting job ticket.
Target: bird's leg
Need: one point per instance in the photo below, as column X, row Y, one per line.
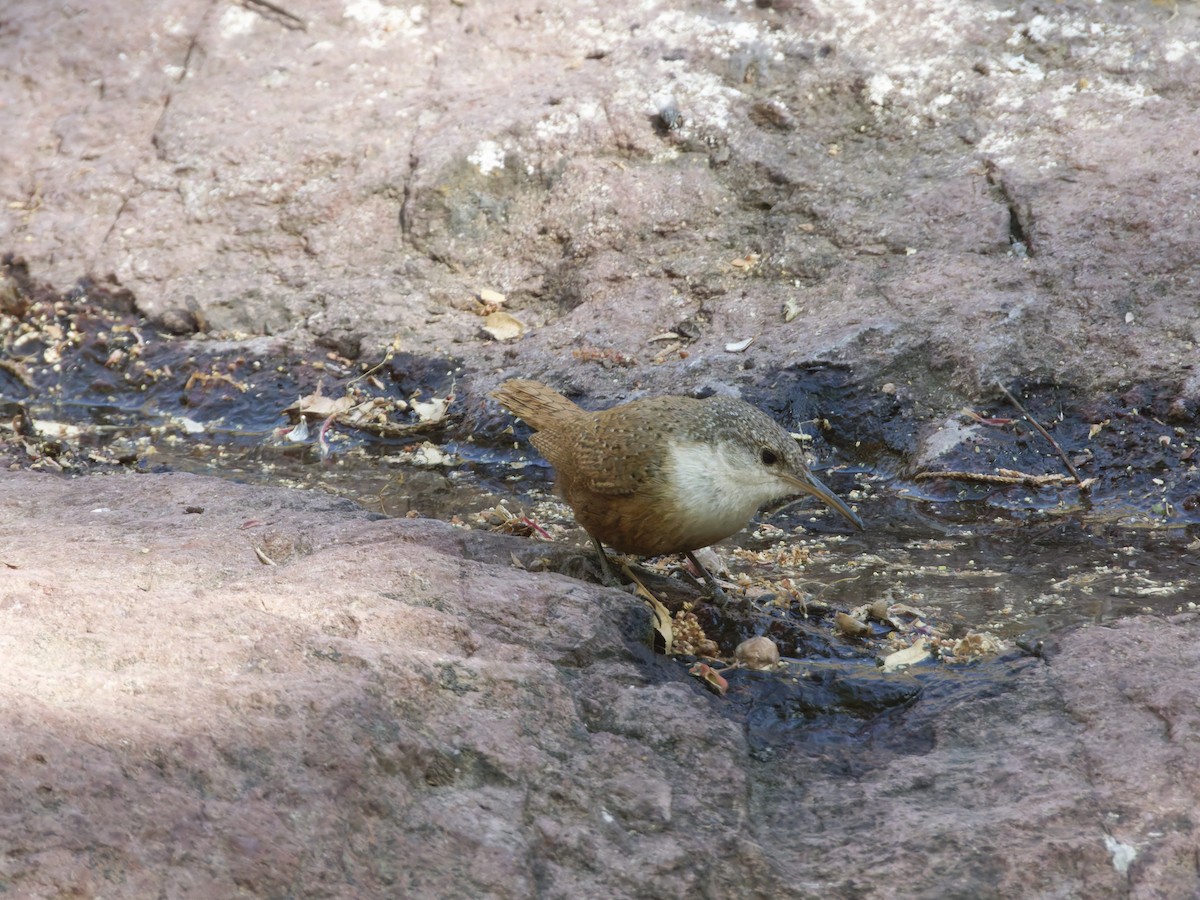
column 718, row 593
column 606, row 574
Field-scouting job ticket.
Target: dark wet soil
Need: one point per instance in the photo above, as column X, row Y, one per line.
column 86, row 385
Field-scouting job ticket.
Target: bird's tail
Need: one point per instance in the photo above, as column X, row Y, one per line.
column 538, row 404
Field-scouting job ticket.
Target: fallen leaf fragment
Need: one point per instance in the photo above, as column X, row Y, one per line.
column 850, row 626
column 503, row 327
column 909, row 656
column 299, row 433
column 976, row 644
column 320, row 406
column 429, row 454
column 487, row 295
column 738, row 346
column 57, row 430
column 663, row 626
column 433, row 410
column 489, row 301
column 605, row 356
column 710, row 677
column 903, row 609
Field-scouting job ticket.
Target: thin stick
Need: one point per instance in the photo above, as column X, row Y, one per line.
column 290, row 20
column 1033, row 481
column 1044, row 433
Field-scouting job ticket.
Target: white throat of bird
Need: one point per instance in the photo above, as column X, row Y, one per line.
column 722, row 484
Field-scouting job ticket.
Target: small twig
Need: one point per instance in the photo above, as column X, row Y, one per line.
column 1044, row 433
column 1006, row 476
column 17, row 371
column 391, row 351
column 289, row 20
column 535, row 527
column 324, row 444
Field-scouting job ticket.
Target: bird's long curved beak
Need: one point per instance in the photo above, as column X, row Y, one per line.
column 809, row 484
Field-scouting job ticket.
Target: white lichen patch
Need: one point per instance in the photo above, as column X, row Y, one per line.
column 878, row 87
column 723, row 39
column 236, row 21
column 561, row 123
column 487, row 157
column 383, row 21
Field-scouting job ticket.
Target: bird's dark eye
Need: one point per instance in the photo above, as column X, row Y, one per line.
column 769, row 456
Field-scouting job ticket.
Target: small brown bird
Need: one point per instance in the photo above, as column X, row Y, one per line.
column 664, row 474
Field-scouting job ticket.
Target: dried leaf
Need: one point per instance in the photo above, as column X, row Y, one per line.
column 663, row 626
column 879, row 611
column 320, row 406
column 976, row 644
column 503, row 327
column 489, row 301
column 299, row 432
column 433, row 410
column 747, row 262
column 738, row 346
column 431, row 455
column 850, row 626
column 56, row 430
column 909, row 656
column 711, row 677
column 487, row 295
column 606, row 356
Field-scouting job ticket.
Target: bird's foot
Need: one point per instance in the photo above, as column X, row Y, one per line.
column 606, row 572
column 718, row 593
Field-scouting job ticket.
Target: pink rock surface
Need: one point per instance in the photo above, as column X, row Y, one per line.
column 385, row 713
column 355, row 172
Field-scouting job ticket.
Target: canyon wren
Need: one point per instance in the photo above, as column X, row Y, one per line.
column 664, row 474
